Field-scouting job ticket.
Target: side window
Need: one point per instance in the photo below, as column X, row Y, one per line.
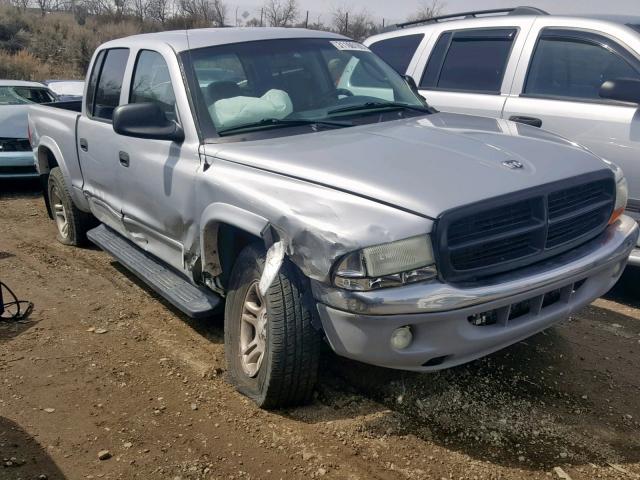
column 152, row 83
column 469, row 60
column 398, row 51
column 107, row 96
column 93, row 81
column 575, row 66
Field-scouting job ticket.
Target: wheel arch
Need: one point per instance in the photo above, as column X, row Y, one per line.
column 46, row 161
column 47, row 156
column 225, row 231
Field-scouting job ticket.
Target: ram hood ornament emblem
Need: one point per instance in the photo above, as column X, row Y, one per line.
column 513, row 164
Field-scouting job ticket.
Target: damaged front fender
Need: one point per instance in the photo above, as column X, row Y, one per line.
column 314, row 224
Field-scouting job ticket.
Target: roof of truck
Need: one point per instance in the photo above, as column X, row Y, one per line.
column 20, row 83
column 206, row 37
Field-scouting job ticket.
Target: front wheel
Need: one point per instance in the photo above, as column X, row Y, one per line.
column 271, row 348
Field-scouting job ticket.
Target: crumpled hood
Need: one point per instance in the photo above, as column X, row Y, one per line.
column 13, row 121
column 425, row 165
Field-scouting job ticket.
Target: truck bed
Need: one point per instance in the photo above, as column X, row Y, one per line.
column 53, row 128
column 72, row 105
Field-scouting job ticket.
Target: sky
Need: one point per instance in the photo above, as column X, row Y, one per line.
column 394, row 11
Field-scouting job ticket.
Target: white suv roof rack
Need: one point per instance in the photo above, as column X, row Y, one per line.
column 474, row 14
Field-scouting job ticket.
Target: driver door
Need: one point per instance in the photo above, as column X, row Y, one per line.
column 157, row 176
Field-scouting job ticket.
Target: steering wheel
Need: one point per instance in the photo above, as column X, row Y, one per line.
column 344, row 91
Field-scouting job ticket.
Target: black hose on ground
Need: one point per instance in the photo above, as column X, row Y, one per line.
column 13, row 309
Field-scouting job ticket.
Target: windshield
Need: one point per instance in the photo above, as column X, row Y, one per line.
column 255, row 84
column 22, row 95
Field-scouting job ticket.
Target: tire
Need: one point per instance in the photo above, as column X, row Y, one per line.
column 287, row 372
column 71, row 223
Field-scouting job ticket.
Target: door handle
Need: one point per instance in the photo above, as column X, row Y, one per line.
column 124, row 159
column 534, row 122
column 84, row 145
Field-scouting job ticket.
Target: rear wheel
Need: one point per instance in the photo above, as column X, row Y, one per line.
column 72, row 224
column 271, row 348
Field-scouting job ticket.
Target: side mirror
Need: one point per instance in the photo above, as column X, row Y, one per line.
column 146, row 120
column 621, row 89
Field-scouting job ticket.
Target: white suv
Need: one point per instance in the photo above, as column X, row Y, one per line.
column 578, row 77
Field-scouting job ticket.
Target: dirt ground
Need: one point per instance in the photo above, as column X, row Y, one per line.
column 104, row 364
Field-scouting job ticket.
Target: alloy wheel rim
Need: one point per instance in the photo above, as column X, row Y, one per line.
column 253, row 331
column 59, row 213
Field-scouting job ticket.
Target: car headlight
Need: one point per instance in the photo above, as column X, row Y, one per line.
column 388, row 265
column 622, row 193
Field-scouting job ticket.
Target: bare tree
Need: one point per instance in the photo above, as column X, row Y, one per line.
column 21, row 4
column 357, row 25
column 158, row 10
column 44, row 6
column 281, row 13
column 427, row 9
column 139, row 9
column 120, row 8
column 209, row 11
column 219, row 12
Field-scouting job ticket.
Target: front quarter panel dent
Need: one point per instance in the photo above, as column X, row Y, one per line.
column 316, row 224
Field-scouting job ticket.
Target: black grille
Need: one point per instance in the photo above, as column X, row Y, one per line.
column 14, row 145
column 516, row 230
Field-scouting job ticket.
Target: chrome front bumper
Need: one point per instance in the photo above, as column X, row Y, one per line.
column 358, row 325
column 634, row 258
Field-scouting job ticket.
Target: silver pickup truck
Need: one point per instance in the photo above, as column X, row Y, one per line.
column 231, row 168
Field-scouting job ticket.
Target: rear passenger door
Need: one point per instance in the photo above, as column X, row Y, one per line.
column 471, row 70
column 560, row 86
column 96, row 148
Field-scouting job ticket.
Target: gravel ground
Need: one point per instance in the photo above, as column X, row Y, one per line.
column 105, row 380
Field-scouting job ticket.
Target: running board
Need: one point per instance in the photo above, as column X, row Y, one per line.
column 193, row 301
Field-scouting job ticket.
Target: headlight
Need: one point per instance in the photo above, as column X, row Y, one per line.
column 388, row 265
column 622, row 193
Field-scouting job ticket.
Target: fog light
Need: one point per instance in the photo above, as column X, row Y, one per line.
column 401, row 338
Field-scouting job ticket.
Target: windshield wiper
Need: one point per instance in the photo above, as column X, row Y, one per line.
column 379, row 105
column 278, row 122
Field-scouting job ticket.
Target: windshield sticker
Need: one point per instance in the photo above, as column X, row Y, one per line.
column 344, row 45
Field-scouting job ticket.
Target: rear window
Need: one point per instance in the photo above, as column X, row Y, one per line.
column 473, row 60
column 398, row 51
column 109, row 84
column 17, row 95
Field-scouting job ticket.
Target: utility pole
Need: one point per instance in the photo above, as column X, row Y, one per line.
column 346, row 23
column 261, row 17
column 306, row 22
